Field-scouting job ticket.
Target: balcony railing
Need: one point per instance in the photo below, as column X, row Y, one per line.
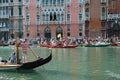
column 4, row 29
column 47, row 5
column 4, row 16
column 113, row 16
column 52, row 22
column 16, row 4
column 4, row 4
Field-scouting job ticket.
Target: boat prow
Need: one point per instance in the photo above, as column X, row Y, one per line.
column 35, row 64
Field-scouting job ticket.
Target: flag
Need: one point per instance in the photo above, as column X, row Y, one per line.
column 59, row 35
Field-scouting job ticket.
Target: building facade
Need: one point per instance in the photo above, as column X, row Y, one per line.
column 11, row 19
column 73, row 18
column 96, row 13
column 102, row 18
column 48, row 18
column 113, row 18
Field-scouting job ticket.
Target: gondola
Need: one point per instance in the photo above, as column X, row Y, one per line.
column 25, row 66
column 5, row 65
column 34, row 64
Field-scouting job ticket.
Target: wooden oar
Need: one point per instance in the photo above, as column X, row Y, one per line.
column 34, row 54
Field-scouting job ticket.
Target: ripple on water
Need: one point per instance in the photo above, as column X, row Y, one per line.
column 113, row 75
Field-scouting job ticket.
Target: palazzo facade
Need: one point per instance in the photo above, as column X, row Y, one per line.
column 48, row 18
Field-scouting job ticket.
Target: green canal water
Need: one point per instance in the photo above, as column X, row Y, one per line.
column 82, row 63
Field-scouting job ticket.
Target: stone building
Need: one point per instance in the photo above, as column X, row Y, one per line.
column 11, row 19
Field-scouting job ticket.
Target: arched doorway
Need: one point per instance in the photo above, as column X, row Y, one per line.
column 47, row 33
column 59, row 32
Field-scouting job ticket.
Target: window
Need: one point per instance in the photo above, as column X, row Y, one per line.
column 27, row 3
column 68, row 27
column 62, row 2
column 20, row 0
column 6, row 1
column 28, row 34
column 68, row 2
column 37, row 3
column 80, row 27
column 12, row 13
column 80, row 16
column 80, row 34
column 38, row 34
column 38, row 18
column 38, row 29
column 68, row 34
column 80, row 1
column 21, row 25
column 11, row 0
column 3, row 1
column 11, row 24
column 20, row 11
column 103, row 11
column 103, row 15
column 62, row 15
column 28, row 18
column 87, row 13
column 68, row 17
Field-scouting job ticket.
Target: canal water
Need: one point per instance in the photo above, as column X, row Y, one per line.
column 82, row 63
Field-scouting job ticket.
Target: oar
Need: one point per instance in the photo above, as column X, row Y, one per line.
column 34, row 53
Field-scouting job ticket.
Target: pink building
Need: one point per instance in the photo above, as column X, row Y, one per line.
column 48, row 18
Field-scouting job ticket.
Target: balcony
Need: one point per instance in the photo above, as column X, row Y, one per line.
column 50, row 5
column 111, row 17
column 16, row 17
column 4, row 4
column 16, row 4
column 4, row 29
column 4, row 16
column 52, row 22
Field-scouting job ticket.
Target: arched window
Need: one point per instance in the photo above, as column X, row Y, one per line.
column 47, row 33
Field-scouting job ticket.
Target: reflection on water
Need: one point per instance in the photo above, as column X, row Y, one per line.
column 72, row 64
